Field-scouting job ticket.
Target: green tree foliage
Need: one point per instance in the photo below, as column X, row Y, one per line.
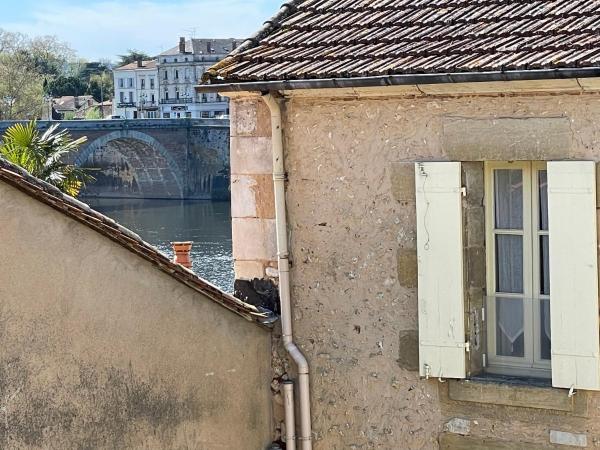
column 101, row 86
column 66, row 86
column 44, row 155
column 26, row 66
column 21, row 88
column 132, row 56
column 93, row 114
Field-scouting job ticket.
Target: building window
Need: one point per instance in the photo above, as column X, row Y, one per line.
column 130, row 97
column 166, row 75
column 186, row 60
column 151, row 83
column 130, row 82
column 152, row 98
column 166, row 95
column 518, row 283
column 175, row 60
column 177, row 74
column 188, row 115
column 121, row 82
column 166, row 115
column 205, row 114
column 122, row 97
column 143, row 83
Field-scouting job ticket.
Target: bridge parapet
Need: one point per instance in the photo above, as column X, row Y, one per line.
column 123, row 124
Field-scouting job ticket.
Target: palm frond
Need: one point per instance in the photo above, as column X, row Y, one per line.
column 45, row 155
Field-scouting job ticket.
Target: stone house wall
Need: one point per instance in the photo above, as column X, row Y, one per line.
column 101, row 349
column 351, row 214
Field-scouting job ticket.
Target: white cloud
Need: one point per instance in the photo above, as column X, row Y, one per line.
column 108, row 28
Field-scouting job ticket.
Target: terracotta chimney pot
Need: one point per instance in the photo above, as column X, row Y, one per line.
column 182, row 253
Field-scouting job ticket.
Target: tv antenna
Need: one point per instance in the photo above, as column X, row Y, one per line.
column 191, row 32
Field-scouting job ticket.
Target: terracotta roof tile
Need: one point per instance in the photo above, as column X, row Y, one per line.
column 106, row 226
column 342, row 38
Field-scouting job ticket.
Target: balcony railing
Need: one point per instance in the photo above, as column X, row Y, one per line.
column 176, row 101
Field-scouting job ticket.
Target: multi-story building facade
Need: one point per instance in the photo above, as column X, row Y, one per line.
column 136, row 91
column 181, row 68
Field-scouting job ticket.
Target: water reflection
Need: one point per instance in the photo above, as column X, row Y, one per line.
column 161, row 222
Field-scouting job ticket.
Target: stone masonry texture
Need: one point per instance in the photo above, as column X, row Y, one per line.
column 351, row 218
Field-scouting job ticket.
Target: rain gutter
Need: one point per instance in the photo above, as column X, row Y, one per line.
column 399, row 80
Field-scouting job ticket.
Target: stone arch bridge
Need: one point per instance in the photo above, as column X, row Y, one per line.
column 146, row 158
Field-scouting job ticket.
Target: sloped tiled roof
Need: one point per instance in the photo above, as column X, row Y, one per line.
column 53, row 197
column 315, row 39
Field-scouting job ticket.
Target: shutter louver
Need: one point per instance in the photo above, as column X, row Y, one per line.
column 440, row 270
column 573, row 275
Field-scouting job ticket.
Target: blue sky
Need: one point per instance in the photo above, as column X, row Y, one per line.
column 105, row 28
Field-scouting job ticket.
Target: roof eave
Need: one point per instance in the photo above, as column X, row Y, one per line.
column 398, row 80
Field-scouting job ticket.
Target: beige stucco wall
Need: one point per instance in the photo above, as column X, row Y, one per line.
column 351, row 215
column 102, row 350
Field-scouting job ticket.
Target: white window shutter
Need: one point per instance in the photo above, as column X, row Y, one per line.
column 573, row 275
column 440, row 266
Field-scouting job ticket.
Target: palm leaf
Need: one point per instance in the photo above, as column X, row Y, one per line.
column 44, row 155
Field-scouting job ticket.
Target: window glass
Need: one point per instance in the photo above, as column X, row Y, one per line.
column 544, row 265
column 508, row 187
column 543, row 194
column 510, row 333
column 509, row 263
column 545, row 343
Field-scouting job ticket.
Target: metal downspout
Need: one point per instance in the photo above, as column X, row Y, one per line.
column 279, row 176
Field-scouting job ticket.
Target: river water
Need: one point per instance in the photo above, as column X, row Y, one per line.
column 160, row 222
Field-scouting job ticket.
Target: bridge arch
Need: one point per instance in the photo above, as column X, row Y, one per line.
column 134, row 158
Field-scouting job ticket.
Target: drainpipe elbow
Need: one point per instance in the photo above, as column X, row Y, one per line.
column 298, row 357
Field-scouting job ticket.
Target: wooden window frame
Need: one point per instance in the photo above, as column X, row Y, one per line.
column 531, row 364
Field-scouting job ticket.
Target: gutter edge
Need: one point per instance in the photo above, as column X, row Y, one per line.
column 404, row 79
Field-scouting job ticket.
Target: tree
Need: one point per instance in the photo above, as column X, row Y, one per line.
column 26, row 66
column 93, row 113
column 132, row 56
column 66, row 86
column 101, row 86
column 21, row 88
column 44, row 155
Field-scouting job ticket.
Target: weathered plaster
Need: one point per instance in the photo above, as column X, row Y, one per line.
column 102, row 350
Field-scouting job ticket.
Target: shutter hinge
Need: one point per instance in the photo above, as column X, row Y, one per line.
column 483, row 314
column 463, row 191
column 467, row 347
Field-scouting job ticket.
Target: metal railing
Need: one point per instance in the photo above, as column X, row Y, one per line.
column 176, row 101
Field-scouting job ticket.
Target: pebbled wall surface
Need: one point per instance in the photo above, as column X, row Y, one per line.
column 351, row 212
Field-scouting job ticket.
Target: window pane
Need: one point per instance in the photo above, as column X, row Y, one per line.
column 545, row 341
column 509, row 263
column 508, row 192
column 543, row 193
column 544, row 265
column 510, row 335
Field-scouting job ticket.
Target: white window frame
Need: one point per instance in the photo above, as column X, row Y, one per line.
column 531, row 364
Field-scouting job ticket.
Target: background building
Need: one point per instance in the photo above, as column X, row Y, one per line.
column 181, row 68
column 136, row 90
